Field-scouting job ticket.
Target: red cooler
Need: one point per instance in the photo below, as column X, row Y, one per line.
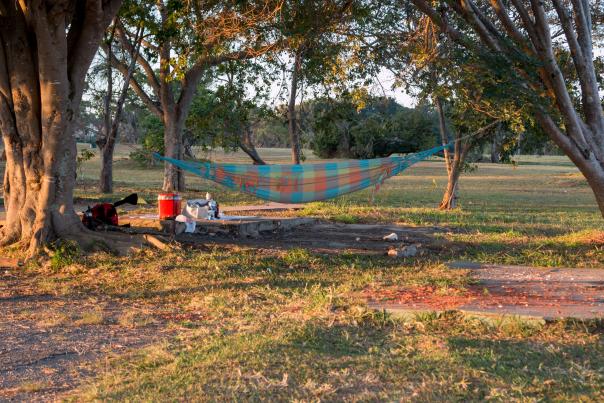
column 169, row 205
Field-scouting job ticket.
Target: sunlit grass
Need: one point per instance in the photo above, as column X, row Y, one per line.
column 264, row 324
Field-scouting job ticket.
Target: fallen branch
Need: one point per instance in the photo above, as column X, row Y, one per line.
column 156, row 242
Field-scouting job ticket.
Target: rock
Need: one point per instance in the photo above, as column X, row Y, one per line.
column 408, row 251
column 391, row 237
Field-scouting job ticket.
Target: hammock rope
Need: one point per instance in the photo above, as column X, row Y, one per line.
column 303, row 183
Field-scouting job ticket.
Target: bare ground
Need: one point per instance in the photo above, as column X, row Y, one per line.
column 506, row 290
column 48, row 342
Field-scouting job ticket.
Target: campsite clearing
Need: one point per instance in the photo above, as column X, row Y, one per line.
column 244, row 320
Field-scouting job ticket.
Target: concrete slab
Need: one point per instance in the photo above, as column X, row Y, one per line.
column 547, row 293
column 247, row 227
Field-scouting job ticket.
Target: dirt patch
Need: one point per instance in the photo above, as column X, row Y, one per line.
column 324, row 237
column 50, row 342
column 510, row 290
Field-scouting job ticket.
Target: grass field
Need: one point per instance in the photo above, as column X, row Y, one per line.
column 267, row 324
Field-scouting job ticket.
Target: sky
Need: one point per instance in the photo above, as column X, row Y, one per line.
column 382, row 87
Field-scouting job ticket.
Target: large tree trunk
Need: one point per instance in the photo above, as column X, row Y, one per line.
column 174, row 179
column 495, row 154
column 294, row 130
column 588, row 163
column 496, row 145
column 42, row 68
column 106, row 177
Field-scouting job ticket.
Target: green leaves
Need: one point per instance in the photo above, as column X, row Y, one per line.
column 375, row 127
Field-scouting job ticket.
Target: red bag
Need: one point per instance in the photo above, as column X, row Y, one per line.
column 102, row 213
column 105, row 213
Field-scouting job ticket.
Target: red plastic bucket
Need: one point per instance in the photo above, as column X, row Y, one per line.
column 169, row 205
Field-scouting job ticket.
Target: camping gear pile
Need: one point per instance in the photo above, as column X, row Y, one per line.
column 196, row 209
column 206, row 209
column 106, row 213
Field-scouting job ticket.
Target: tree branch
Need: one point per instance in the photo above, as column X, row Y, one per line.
column 154, row 107
column 473, row 17
column 90, row 20
column 192, row 77
column 149, row 72
column 527, row 22
column 584, row 28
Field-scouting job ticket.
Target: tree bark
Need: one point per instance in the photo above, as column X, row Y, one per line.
column 247, row 145
column 107, row 142
column 580, row 131
column 106, row 177
column 45, row 52
column 450, row 197
column 452, row 163
column 174, row 179
column 294, row 130
column 495, row 155
column 496, row 145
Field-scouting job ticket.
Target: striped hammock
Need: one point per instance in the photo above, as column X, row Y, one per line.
column 303, row 183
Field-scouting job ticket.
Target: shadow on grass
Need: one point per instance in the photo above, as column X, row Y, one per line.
column 371, row 358
column 543, row 370
column 533, row 253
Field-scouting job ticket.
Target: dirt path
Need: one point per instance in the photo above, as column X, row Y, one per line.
column 506, row 290
column 324, row 237
column 48, row 343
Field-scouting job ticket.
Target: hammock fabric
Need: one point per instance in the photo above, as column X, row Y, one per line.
column 303, row 183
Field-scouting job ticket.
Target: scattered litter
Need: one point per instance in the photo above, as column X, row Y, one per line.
column 189, row 223
column 391, row 238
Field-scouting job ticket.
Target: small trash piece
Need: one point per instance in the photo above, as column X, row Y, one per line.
column 189, row 223
column 10, row 263
column 407, row 251
column 391, row 237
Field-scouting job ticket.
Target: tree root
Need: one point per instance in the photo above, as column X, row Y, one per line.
column 113, row 242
